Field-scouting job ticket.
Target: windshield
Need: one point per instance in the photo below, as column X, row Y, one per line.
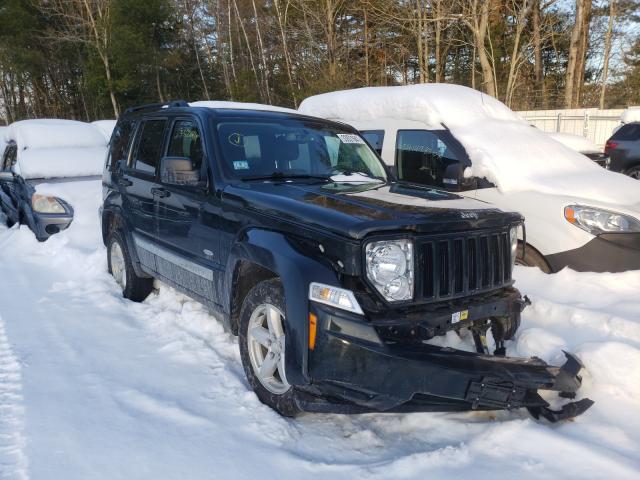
column 296, row 149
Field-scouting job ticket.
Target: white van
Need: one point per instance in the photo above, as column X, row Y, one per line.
column 578, row 214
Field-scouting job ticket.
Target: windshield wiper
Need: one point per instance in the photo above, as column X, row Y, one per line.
column 284, row 176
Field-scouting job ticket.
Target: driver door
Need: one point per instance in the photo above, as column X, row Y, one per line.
column 188, row 216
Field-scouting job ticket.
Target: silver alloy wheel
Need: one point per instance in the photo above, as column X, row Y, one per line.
column 265, row 342
column 118, row 265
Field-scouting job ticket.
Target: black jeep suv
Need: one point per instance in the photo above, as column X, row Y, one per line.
column 336, row 279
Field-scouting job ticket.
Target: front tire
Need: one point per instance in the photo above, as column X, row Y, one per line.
column 133, row 287
column 262, row 346
column 532, row 259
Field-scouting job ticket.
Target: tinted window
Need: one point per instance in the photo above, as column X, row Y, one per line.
column 630, row 131
column 423, row 157
column 254, row 149
column 375, row 139
column 120, row 141
column 186, row 142
column 150, row 144
column 9, row 157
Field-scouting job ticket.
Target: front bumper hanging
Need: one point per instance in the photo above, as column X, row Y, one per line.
column 353, row 371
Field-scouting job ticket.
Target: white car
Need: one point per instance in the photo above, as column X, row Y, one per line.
column 578, row 215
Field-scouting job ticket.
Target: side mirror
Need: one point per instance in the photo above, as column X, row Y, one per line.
column 458, row 177
column 180, row 171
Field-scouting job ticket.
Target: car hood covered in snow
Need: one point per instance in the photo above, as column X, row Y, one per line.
column 503, row 148
column 355, row 210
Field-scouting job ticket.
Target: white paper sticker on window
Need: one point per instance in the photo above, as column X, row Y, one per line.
column 241, row 165
column 350, row 138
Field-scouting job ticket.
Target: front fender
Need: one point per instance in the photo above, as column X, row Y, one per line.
column 275, row 252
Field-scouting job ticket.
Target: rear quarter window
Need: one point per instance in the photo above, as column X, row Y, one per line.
column 120, row 143
column 630, row 131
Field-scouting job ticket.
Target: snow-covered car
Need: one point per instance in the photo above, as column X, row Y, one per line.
column 582, row 145
column 450, row 137
column 38, row 155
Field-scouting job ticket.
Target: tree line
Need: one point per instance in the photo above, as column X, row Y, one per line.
column 90, row 59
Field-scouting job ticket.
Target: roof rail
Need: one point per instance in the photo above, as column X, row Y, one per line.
column 155, row 106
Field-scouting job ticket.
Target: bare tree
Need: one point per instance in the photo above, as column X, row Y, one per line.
column 88, row 22
column 607, row 51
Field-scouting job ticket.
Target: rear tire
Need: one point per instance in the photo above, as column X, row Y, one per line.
column 532, row 258
column 262, row 346
column 133, row 287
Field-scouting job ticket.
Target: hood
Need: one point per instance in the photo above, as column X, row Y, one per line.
column 357, row 210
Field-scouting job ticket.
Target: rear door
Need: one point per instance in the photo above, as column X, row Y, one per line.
column 139, row 178
column 188, row 217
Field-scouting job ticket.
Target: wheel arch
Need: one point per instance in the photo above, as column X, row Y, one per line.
column 259, row 255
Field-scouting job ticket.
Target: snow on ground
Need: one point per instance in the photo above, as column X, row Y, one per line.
column 93, row 386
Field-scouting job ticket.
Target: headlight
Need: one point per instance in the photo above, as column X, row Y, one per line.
column 335, row 297
column 597, row 221
column 513, row 238
column 390, row 268
column 44, row 204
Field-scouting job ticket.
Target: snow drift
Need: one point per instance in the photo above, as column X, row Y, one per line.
column 502, row 146
column 51, row 148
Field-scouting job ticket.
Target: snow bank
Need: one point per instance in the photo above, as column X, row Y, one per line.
column 49, row 148
column 106, row 127
column 503, row 148
column 240, row 106
column 575, row 142
column 631, row 114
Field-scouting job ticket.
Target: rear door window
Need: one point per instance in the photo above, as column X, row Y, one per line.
column 423, row 157
column 375, row 139
column 147, row 154
column 630, row 131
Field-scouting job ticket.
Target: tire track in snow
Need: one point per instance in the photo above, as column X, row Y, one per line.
column 13, row 460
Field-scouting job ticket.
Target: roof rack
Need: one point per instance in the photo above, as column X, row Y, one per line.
column 155, row 106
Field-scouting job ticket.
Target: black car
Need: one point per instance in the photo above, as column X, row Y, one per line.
column 44, row 215
column 334, row 277
column 623, row 149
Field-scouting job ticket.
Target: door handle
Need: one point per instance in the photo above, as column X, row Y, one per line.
column 160, row 192
column 123, row 182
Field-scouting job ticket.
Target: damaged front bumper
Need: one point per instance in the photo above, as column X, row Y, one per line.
column 355, row 367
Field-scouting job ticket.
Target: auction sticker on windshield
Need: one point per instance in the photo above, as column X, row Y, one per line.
column 350, row 138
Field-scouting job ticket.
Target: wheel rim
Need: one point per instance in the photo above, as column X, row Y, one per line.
column 266, row 341
column 118, row 265
column 635, row 174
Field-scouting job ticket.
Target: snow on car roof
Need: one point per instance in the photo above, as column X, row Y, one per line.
column 631, row 114
column 576, row 142
column 52, row 133
column 106, row 127
column 503, row 147
column 54, row 148
column 241, row 106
